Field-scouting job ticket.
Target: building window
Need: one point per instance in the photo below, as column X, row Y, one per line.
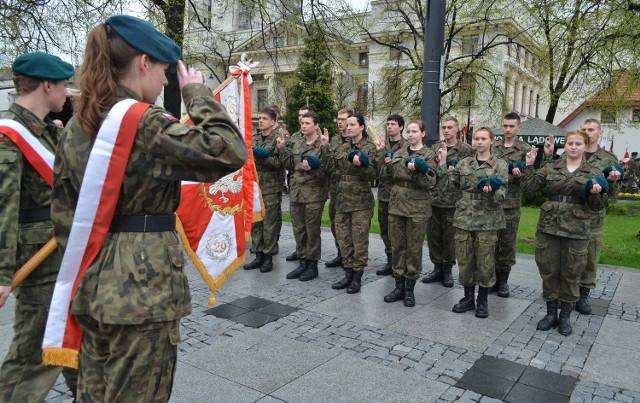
column 635, row 116
column 608, row 115
column 278, row 41
column 515, row 96
column 467, row 90
column 363, row 59
column 470, row 44
column 362, row 96
column 531, row 103
column 262, row 99
column 523, row 101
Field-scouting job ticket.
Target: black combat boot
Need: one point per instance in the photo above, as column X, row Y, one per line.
column 299, row 270
column 387, row 269
column 335, row 262
column 435, row 276
column 447, row 278
column 291, row 257
column 398, row 293
column 409, row 298
column 356, row 282
column 502, row 288
column 582, row 305
column 467, row 303
column 311, row 272
column 267, row 266
column 564, row 319
column 482, row 304
column 346, row 280
column 255, row 263
column 551, row 318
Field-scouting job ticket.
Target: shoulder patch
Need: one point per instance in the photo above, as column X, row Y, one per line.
column 492, row 163
column 586, row 168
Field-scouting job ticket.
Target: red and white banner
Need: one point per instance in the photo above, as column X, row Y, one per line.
column 215, row 218
column 96, row 204
column 37, row 154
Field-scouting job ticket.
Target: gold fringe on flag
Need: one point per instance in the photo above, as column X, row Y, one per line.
column 60, row 356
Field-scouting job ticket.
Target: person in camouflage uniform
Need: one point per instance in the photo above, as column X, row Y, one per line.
column 265, row 233
column 574, row 190
column 633, row 172
column 131, row 298
column 413, row 171
column 40, row 80
column 336, row 142
column 393, row 142
column 478, row 217
column 440, row 229
column 513, row 151
column 290, row 139
column 355, row 163
column 308, row 159
column 609, row 165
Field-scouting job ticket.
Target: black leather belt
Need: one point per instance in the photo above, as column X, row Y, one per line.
column 566, row 199
column 143, row 223
column 473, row 196
column 406, row 184
column 351, row 178
column 34, row 215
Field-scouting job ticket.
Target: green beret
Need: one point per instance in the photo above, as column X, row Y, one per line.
column 42, row 66
column 144, row 37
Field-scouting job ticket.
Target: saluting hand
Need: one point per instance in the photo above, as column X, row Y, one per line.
column 442, row 154
column 381, row 141
column 549, row 145
column 531, row 156
column 281, row 140
column 324, row 136
column 188, row 76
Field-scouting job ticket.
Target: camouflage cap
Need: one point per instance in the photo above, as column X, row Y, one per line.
column 42, row 66
column 144, row 37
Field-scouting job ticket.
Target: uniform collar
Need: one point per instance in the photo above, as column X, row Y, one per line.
column 35, row 125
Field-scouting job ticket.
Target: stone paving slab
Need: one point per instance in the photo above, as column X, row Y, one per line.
column 345, row 379
column 193, row 384
column 436, row 322
column 259, row 360
column 627, row 291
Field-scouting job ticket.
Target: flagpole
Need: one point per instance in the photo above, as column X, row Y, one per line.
column 33, row 263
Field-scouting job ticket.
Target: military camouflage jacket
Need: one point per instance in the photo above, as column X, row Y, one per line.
column 270, row 169
column 306, row 186
column 561, row 218
column 336, row 142
column 447, row 198
column 410, row 194
column 22, row 188
column 517, row 152
column 138, row 277
column 386, row 179
column 476, row 210
column 353, row 192
column 602, row 159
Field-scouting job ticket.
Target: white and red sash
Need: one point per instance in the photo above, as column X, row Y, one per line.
column 96, row 205
column 35, row 152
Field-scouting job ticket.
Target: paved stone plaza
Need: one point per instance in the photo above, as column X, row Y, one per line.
column 323, row 345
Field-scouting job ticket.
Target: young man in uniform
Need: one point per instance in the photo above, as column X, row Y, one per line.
column 440, row 230
column 264, row 234
column 609, row 165
column 393, row 143
column 337, row 141
column 514, row 152
column 25, row 221
column 291, row 139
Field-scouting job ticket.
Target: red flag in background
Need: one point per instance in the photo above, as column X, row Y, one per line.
column 626, row 152
column 215, row 218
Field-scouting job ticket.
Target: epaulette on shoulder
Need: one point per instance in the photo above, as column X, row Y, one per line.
column 492, row 163
column 586, row 168
column 422, row 151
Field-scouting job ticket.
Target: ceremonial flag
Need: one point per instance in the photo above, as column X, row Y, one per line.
column 38, row 156
column 626, row 152
column 215, row 218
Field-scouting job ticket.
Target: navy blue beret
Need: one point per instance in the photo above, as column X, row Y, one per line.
column 42, row 66
column 144, row 37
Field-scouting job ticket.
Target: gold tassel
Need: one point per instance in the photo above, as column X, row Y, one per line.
column 60, row 356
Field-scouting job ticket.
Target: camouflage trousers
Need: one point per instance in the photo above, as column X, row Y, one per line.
column 440, row 235
column 23, row 378
column 352, row 229
column 475, row 251
column 590, row 272
column 127, row 363
column 383, row 220
column 265, row 233
column 407, row 238
column 306, row 219
column 332, row 218
column 507, row 238
column 560, row 261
